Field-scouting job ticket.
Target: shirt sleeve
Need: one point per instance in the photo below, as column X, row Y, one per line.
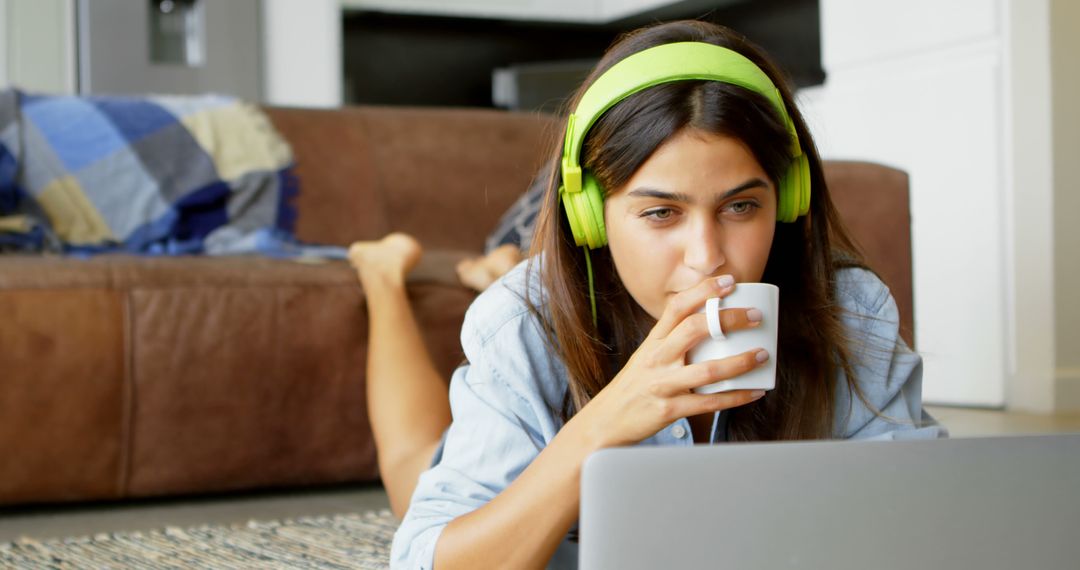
column 888, row 372
column 501, row 422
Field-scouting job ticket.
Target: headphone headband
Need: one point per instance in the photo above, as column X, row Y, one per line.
column 680, row 61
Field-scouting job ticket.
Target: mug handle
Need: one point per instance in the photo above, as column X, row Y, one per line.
column 712, row 316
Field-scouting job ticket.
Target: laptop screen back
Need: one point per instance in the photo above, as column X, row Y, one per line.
column 985, row 503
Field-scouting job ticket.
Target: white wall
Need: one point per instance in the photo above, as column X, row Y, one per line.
column 3, row 43
column 38, row 45
column 115, row 53
column 1029, row 230
column 301, row 49
column 302, row 52
column 1065, row 79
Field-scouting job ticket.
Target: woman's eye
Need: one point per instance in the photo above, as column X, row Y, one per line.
column 658, row 214
column 742, row 208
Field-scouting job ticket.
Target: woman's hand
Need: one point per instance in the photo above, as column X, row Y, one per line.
column 654, row 389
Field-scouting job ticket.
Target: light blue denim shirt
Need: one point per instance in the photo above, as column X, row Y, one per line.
column 505, row 404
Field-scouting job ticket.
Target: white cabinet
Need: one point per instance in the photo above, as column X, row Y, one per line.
column 546, row 10
column 923, row 118
column 958, row 94
column 569, row 11
column 855, row 32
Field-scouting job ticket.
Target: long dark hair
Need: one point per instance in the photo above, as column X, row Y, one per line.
column 803, row 260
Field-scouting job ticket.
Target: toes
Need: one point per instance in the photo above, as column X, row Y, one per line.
column 473, row 275
column 355, row 252
column 401, row 241
column 395, row 252
column 502, row 259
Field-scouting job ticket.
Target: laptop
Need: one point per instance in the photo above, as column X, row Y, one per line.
column 983, row 503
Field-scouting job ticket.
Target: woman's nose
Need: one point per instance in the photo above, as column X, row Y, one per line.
column 703, row 251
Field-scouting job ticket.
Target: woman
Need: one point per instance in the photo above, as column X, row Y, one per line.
column 581, row 349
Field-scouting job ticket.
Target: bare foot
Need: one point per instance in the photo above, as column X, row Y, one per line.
column 391, row 258
column 480, row 272
column 474, row 274
column 502, row 259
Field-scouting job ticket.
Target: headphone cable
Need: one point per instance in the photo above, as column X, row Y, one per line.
column 592, row 289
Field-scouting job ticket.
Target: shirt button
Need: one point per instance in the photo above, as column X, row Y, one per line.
column 678, row 431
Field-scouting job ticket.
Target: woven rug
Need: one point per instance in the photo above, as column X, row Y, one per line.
column 342, row 541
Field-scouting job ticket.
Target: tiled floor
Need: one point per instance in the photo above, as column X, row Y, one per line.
column 51, row 522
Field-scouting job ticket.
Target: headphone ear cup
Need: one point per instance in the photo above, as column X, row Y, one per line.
column 804, row 185
column 794, row 195
column 585, row 212
column 784, row 197
column 592, row 198
column 570, row 206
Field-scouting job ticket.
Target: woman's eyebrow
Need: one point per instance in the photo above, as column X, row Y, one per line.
column 748, row 185
column 682, row 197
column 653, row 193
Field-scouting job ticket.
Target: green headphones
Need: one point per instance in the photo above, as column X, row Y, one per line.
column 582, row 197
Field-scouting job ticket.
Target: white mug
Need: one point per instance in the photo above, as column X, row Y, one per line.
column 761, row 296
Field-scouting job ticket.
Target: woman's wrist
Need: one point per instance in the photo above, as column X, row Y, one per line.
column 582, row 434
column 523, row 525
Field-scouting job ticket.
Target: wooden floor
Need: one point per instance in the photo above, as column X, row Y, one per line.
column 970, row 422
column 53, row 522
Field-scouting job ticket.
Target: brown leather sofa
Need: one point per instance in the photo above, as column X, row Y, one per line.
column 131, row 377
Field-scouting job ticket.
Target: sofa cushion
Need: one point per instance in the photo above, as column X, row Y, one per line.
column 64, row 397
column 155, row 376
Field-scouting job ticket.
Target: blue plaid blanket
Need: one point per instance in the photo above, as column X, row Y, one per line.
column 160, row 175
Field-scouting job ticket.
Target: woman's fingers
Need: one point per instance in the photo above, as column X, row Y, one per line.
column 708, row 371
column 695, row 329
column 739, row 319
column 687, row 302
column 696, row 404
